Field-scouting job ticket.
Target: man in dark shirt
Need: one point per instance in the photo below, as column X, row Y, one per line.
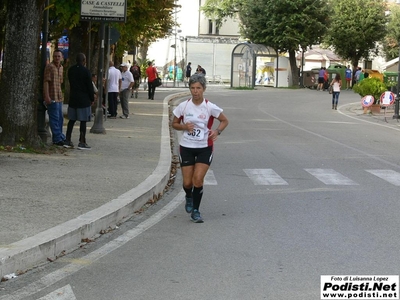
column 80, row 101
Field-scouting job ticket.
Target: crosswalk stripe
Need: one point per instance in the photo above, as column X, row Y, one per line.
column 209, row 179
column 327, row 176
column 264, row 177
column 330, row 177
column 390, row 176
column 64, row 293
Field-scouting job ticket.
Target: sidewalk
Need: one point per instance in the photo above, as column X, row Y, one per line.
column 50, row 202
column 385, row 117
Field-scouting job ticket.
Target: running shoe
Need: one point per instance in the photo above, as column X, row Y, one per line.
column 68, row 144
column 189, row 205
column 84, row 146
column 196, row 217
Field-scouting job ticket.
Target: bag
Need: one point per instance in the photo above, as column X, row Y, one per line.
column 157, row 82
column 330, row 89
column 135, row 71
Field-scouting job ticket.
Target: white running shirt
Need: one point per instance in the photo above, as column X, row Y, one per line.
column 202, row 116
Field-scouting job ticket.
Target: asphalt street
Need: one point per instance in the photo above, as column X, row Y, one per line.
column 296, row 190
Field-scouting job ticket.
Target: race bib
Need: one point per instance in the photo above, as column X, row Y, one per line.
column 196, row 135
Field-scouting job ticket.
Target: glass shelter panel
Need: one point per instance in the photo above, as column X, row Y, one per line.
column 252, row 64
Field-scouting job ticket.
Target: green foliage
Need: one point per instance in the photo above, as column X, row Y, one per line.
column 220, row 10
column 370, row 86
column 285, row 24
column 392, row 39
column 355, row 28
column 146, row 21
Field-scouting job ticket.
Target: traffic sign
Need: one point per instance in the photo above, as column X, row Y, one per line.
column 387, row 98
column 367, row 101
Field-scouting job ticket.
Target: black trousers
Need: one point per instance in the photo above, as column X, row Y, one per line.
column 152, row 90
column 112, row 103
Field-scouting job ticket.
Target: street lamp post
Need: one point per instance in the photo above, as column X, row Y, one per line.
column 175, row 69
column 396, row 106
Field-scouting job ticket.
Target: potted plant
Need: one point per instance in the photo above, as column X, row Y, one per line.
column 371, row 86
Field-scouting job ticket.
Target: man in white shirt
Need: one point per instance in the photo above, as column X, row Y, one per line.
column 113, row 87
column 126, row 88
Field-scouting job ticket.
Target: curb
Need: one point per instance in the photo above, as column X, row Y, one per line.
column 67, row 237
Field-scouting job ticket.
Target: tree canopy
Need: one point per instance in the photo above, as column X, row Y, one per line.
column 391, row 41
column 284, row 25
column 356, row 28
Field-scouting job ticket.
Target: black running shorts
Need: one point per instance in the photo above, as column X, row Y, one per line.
column 191, row 156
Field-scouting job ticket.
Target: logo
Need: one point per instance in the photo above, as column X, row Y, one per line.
column 202, row 116
column 383, row 287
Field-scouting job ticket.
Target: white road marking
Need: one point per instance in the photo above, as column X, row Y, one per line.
column 72, row 268
column 330, row 177
column 65, row 293
column 264, row 177
column 210, row 178
column 390, row 176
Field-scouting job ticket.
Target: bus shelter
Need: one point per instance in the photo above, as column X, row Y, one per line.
column 253, row 64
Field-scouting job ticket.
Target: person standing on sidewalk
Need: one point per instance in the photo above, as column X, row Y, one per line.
column 152, row 74
column 126, row 88
column 336, row 85
column 137, row 74
column 195, row 118
column 53, row 98
column 80, row 100
column 113, row 87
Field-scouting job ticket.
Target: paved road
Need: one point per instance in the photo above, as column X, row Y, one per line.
column 296, row 190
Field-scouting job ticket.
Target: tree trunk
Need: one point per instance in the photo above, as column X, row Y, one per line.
column 2, row 25
column 294, row 69
column 20, row 73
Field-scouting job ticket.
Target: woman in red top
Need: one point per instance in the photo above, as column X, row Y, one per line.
column 152, row 74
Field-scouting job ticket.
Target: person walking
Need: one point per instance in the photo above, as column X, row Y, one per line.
column 80, row 100
column 326, row 79
column 321, row 80
column 349, row 76
column 137, row 74
column 126, row 88
column 53, row 98
column 114, row 82
column 195, row 118
column 188, row 71
column 336, row 84
column 152, row 74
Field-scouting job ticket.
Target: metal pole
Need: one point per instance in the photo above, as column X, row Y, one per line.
column 175, row 68
column 396, row 106
column 175, row 60
column 302, row 68
column 98, row 120
column 89, row 57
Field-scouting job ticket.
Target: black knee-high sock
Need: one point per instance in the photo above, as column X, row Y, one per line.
column 197, row 194
column 82, row 129
column 70, row 126
column 188, row 192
